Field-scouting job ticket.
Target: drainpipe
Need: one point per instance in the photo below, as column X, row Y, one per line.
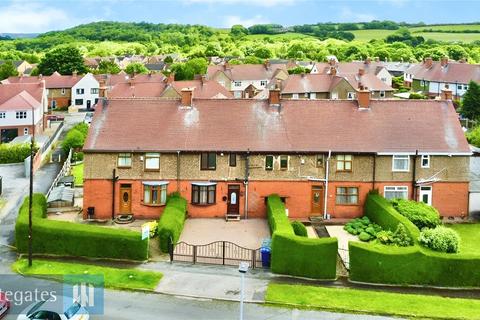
column 374, row 170
column 414, row 189
column 114, row 180
column 178, row 171
column 245, row 182
column 325, row 198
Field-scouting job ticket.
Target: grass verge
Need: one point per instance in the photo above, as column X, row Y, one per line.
column 469, row 237
column 373, row 302
column 77, row 172
column 128, row 279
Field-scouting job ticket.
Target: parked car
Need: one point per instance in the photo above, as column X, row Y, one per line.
column 53, row 310
column 88, row 117
column 55, row 117
column 4, row 304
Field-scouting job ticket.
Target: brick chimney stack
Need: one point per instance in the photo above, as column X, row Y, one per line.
column 74, row 74
column 274, row 97
column 368, row 61
column 332, row 62
column 446, row 93
column 187, row 97
column 444, row 61
column 267, row 64
column 428, row 62
column 361, row 72
column 170, row 78
column 363, row 97
column 333, row 71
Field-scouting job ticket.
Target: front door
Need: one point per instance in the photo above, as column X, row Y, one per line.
column 89, row 104
column 426, row 195
column 317, row 199
column 125, row 199
column 233, row 200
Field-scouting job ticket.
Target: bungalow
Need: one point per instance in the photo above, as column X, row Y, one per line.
column 226, row 156
column 18, row 104
column 246, row 80
column 432, row 77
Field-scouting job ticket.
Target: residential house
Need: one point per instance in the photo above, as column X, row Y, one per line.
column 431, row 77
column 19, row 102
column 246, row 80
column 375, row 68
column 22, row 66
column 226, row 156
column 155, row 67
column 85, row 92
column 109, row 81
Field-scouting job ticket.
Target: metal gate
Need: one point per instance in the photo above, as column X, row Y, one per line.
column 218, row 252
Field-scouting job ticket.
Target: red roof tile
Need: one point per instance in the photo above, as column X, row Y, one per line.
column 15, row 95
column 246, row 71
column 54, row 81
column 203, row 89
column 300, row 126
column 454, row 72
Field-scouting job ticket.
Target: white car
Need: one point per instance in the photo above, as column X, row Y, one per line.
column 53, row 310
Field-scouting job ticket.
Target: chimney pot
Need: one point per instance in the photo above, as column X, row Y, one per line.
column 428, row 62
column 267, row 64
column 444, row 61
column 332, row 62
column 74, row 73
column 368, row 60
column 333, row 71
column 187, row 97
column 363, row 98
column 446, row 93
column 361, row 72
column 274, row 97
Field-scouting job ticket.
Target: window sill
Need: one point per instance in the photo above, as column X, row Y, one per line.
column 202, row 205
column 347, row 205
column 123, row 167
column 151, row 170
column 344, row 171
column 401, row 171
column 208, row 169
column 153, row 205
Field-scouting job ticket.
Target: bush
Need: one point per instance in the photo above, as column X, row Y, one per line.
column 73, row 239
column 277, row 217
column 153, row 226
column 14, row 153
column 440, row 239
column 75, row 137
column 299, row 229
column 363, row 236
column 171, row 221
column 421, row 214
column 401, row 237
column 359, row 226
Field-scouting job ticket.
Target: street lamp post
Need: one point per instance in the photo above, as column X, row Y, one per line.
column 30, row 200
column 242, row 268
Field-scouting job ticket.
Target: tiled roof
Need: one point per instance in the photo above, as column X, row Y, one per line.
column 453, row 72
column 299, row 126
column 54, row 81
column 25, row 95
column 203, row 89
column 122, row 77
column 306, row 83
column 367, row 80
column 372, row 67
column 137, row 89
column 246, row 71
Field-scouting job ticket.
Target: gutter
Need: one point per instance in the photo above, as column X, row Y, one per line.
column 325, row 198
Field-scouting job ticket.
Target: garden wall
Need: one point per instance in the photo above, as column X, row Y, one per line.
column 72, row 239
column 415, row 265
column 295, row 255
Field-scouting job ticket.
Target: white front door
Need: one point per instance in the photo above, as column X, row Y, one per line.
column 426, row 195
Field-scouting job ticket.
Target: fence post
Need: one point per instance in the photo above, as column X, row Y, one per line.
column 170, row 249
column 194, row 254
column 254, row 258
column 223, row 253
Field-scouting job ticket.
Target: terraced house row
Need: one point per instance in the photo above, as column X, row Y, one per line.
column 226, row 156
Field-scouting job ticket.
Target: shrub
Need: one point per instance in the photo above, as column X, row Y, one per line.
column 401, row 237
column 171, row 221
column 299, row 229
column 73, row 239
column 440, row 239
column 385, row 237
column 359, row 226
column 14, row 153
column 421, row 214
column 75, row 137
column 153, row 226
column 363, row 236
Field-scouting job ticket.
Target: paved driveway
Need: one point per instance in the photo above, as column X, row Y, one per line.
column 246, row 233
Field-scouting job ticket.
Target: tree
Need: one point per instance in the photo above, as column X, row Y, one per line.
column 471, row 102
column 238, row 30
column 136, row 67
column 188, row 70
column 64, row 60
column 298, row 70
column 263, row 53
column 473, row 136
column 7, row 69
column 107, row 66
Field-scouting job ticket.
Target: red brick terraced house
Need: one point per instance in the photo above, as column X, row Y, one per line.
column 226, row 156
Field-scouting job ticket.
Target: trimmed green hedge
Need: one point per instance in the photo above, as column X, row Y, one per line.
column 73, row 239
column 420, row 214
column 299, row 229
column 414, row 265
column 14, row 153
column 295, row 255
column 172, row 220
column 379, row 210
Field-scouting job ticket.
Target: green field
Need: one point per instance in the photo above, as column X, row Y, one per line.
column 450, row 37
column 456, row 27
column 281, row 36
column 367, row 35
column 373, row 302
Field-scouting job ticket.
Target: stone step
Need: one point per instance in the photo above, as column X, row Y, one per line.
column 232, row 217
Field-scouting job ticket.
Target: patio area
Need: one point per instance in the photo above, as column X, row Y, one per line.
column 343, row 238
column 246, row 233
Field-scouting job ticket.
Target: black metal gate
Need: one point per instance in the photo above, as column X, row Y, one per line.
column 218, row 252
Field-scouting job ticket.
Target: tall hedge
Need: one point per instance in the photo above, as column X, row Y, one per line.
column 73, row 239
column 295, row 255
column 414, row 265
column 14, row 153
column 171, row 221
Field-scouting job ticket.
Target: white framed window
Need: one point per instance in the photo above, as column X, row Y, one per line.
column 283, row 162
column 344, row 162
column 334, row 95
column 401, row 163
column 2, row 115
column 425, row 161
column 94, row 90
column 21, row 114
column 295, row 96
column 384, row 80
column 313, row 95
column 269, row 162
column 124, row 160
column 263, row 83
column 152, row 161
column 237, row 83
column 351, row 95
column 395, row 192
column 25, row 131
column 382, row 94
column 459, row 87
column 80, row 91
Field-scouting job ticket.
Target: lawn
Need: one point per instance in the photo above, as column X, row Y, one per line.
column 77, row 172
column 373, row 302
column 367, row 35
column 448, row 27
column 470, row 237
column 450, row 37
column 129, row 279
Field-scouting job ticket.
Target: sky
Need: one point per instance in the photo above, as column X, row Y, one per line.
column 21, row 16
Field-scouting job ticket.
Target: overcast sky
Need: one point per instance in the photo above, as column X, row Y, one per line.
column 46, row 15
